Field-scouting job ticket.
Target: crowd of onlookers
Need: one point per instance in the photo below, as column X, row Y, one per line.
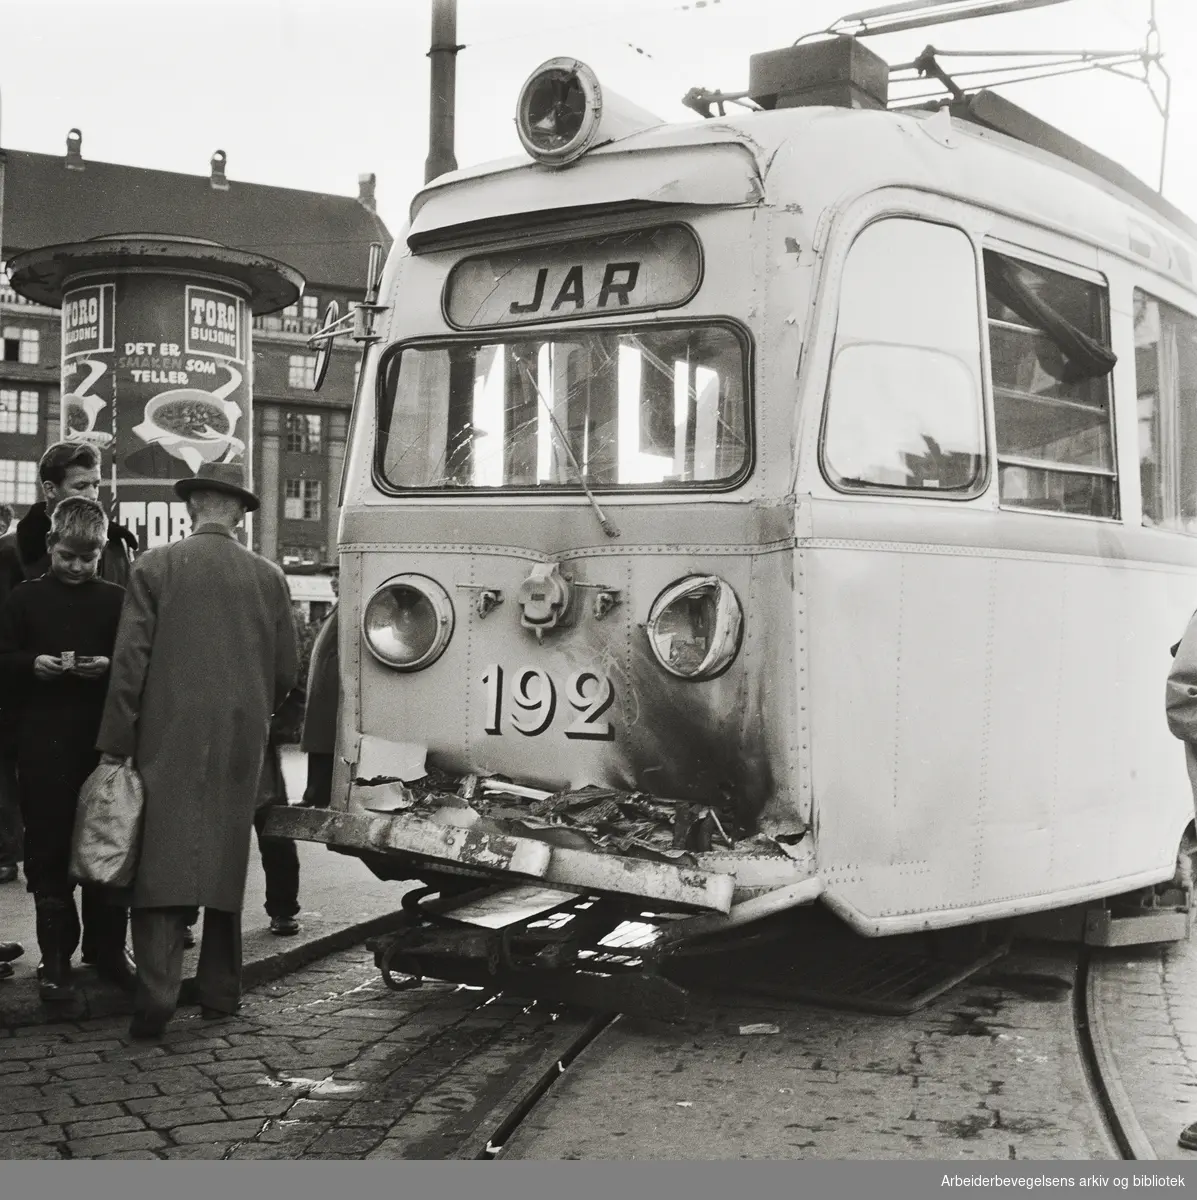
column 185, row 664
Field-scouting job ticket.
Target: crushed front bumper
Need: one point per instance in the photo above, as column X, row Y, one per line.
column 492, row 856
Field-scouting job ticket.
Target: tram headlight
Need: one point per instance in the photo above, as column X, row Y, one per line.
column 694, row 627
column 408, row 622
column 558, row 110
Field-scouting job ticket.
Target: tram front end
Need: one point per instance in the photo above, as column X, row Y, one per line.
column 571, row 699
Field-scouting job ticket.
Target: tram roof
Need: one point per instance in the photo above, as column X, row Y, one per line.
column 323, row 236
column 816, row 155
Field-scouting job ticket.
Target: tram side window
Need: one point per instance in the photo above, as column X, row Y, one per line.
column 905, row 400
column 1166, row 383
column 1051, row 361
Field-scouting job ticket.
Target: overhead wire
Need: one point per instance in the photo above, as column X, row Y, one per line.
column 1042, row 71
column 1076, row 69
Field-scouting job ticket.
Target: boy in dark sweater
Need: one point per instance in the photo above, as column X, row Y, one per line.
column 57, row 635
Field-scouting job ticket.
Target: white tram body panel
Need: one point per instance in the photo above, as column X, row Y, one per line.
column 950, row 707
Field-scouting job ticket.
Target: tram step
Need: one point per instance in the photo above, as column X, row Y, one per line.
column 1104, row 927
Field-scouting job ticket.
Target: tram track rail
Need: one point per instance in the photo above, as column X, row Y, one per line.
column 1101, row 1070
column 497, row 1140
column 1105, row 1088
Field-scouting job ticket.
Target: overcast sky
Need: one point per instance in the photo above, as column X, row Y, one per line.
column 311, row 93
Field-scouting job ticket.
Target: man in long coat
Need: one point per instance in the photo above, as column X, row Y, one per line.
column 205, row 654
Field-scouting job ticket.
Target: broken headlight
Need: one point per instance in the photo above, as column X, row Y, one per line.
column 557, row 113
column 694, row 627
column 408, row 622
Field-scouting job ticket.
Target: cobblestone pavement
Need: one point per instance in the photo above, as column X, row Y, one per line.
column 990, row 1071
column 324, row 1064
column 328, row 1064
column 1148, row 998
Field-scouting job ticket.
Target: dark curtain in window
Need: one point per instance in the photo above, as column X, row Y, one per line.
column 1084, row 357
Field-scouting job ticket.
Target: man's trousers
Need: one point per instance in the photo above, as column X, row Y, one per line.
column 280, row 865
column 158, row 949
column 12, row 833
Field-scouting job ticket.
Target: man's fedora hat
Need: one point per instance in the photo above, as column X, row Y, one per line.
column 219, row 477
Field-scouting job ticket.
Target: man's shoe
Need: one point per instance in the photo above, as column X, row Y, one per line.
column 1188, row 1138
column 8, row 874
column 284, row 926
column 6, row 970
column 208, row 1013
column 10, row 951
column 56, row 990
column 143, row 1029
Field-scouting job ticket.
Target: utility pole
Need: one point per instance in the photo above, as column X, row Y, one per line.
column 443, row 55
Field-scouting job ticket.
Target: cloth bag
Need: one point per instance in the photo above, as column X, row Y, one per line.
column 106, row 842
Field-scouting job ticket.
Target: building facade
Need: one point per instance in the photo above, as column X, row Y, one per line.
column 298, row 445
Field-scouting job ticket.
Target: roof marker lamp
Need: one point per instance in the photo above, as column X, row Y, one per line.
column 407, row 623
column 562, row 112
column 694, row 627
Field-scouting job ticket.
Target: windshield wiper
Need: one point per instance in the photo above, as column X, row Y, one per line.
column 608, row 526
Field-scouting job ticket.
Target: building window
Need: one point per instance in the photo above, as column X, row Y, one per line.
column 303, row 432
column 21, row 344
column 311, row 308
column 293, row 556
column 1051, row 362
column 301, row 371
column 18, row 411
column 18, row 481
column 302, row 500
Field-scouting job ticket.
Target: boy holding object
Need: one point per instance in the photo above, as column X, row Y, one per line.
column 57, row 635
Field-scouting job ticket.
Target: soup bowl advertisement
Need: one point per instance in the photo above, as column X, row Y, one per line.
column 155, row 374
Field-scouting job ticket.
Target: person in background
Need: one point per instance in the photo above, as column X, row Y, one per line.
column 319, row 739
column 1180, row 708
column 205, row 655
column 11, row 832
column 57, row 635
column 280, row 859
column 66, row 469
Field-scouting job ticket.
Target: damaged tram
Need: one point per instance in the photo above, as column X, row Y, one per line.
column 787, row 507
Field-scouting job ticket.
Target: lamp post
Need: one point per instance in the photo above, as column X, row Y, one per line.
column 443, row 56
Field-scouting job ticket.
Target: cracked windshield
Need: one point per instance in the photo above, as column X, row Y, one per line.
column 612, row 408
